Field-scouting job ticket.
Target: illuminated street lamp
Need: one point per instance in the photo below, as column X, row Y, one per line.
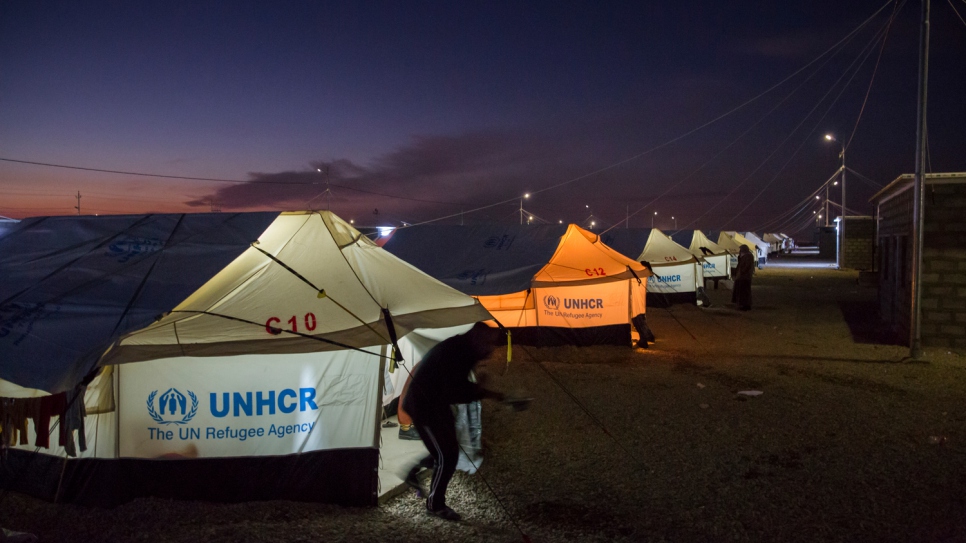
column 652, row 219
column 525, row 196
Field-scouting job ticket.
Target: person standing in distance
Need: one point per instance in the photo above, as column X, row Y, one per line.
column 745, row 270
column 439, row 381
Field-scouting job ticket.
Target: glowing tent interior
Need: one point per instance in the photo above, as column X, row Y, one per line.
column 548, row 284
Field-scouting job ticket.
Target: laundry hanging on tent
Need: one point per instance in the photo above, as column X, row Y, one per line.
column 68, row 407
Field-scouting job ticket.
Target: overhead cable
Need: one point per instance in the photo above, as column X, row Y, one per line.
column 885, row 38
column 847, row 37
column 957, row 11
column 856, row 64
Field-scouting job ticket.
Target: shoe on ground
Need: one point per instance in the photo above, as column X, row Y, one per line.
column 445, row 513
column 408, row 433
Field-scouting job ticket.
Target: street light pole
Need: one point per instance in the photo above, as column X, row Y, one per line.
column 826, row 203
column 830, row 137
column 652, row 219
column 525, row 196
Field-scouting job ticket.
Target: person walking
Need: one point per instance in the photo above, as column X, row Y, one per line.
column 440, row 381
column 741, row 295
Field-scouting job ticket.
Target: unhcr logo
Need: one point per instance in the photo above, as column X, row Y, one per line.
column 500, row 243
column 475, row 277
column 551, row 301
column 172, row 407
column 129, row 247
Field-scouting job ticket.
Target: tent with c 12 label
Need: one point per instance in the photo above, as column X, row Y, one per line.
column 226, row 357
column 549, row 284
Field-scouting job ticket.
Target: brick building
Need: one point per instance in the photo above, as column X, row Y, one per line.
column 944, row 258
column 856, row 248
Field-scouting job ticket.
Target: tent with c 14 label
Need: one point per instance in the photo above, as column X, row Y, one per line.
column 222, row 357
column 549, row 284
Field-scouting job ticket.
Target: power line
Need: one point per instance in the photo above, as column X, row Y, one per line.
column 848, row 36
column 957, row 11
column 720, row 117
column 868, row 91
column 866, row 179
column 856, row 64
column 141, row 174
column 219, row 180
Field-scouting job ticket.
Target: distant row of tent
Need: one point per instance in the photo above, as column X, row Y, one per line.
column 495, row 262
column 186, row 350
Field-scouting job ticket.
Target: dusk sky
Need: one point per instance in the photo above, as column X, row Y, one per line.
column 421, row 110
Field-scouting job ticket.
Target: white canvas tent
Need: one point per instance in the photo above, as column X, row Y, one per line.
column 762, row 248
column 774, row 242
column 676, row 270
column 678, row 274
column 274, row 366
column 714, row 258
column 736, row 239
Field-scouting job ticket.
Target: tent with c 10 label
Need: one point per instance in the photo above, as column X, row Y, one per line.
column 226, row 357
column 549, row 284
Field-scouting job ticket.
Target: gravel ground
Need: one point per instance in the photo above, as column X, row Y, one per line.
column 849, row 441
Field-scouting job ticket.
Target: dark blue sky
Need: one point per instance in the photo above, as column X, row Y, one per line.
column 445, row 106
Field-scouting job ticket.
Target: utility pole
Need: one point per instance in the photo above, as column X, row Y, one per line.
column 77, row 207
column 918, row 207
column 327, row 193
column 826, row 203
column 844, row 209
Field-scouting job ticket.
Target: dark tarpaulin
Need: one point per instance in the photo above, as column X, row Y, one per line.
column 629, row 242
column 682, row 237
column 478, row 260
column 72, row 285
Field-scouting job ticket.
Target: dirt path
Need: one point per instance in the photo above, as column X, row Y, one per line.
column 849, row 441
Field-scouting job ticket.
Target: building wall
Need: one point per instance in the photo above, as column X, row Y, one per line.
column 856, row 249
column 894, row 252
column 944, row 265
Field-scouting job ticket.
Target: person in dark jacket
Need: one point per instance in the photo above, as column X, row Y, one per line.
column 440, row 381
column 741, row 295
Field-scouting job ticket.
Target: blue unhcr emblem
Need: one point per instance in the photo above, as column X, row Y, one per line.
column 172, row 407
column 551, row 301
column 475, row 277
column 128, row 247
